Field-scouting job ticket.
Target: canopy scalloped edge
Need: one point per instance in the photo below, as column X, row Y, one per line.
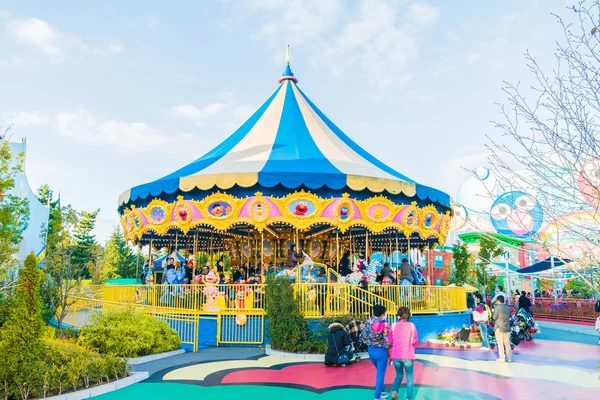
column 247, row 180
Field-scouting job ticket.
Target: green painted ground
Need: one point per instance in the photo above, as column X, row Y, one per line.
column 179, row 390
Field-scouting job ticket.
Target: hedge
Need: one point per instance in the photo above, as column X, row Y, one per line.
column 69, row 367
column 128, row 334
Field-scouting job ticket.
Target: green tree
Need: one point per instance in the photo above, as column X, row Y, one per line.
column 21, row 335
column 579, row 287
column 84, row 255
column 60, row 263
column 463, row 263
column 14, row 214
column 46, row 196
column 118, row 261
column 488, row 249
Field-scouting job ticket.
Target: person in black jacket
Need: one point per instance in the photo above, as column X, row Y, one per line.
column 344, row 266
column 470, row 301
column 525, row 303
column 337, row 340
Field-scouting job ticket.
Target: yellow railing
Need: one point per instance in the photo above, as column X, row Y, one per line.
column 424, row 299
column 236, row 328
column 319, row 299
column 185, row 323
column 207, row 299
column 240, row 309
column 314, row 299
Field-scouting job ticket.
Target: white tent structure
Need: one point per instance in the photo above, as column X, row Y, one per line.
column 38, row 213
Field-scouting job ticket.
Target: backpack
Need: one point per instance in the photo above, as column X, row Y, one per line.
column 597, row 306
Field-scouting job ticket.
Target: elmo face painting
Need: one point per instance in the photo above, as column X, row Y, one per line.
column 301, row 208
column 183, row 213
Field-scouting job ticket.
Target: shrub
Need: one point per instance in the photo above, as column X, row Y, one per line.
column 287, row 328
column 128, row 334
column 69, row 367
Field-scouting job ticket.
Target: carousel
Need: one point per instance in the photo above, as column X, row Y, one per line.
column 286, row 175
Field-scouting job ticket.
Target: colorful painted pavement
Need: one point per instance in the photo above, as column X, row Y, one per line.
column 543, row 369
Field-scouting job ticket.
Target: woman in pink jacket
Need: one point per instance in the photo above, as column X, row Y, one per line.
column 404, row 338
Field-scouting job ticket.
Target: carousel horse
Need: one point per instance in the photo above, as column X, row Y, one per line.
column 372, row 271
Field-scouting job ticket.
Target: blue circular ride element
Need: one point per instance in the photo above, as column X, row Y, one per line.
column 516, row 214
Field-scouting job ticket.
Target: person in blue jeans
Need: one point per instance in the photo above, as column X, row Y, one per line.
column 483, row 326
column 404, row 339
column 376, row 336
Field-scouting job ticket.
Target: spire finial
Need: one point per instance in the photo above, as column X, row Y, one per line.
column 288, row 75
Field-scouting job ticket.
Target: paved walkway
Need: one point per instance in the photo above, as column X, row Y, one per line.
column 576, row 328
column 549, row 368
column 202, row 356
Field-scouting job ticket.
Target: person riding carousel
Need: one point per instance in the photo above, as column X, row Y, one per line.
column 292, row 256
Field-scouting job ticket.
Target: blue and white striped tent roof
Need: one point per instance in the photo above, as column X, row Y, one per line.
column 288, row 141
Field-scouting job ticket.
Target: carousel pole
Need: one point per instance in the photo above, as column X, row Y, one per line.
column 337, row 250
column 396, row 247
column 150, row 262
column 195, row 253
column 367, row 245
column 351, row 247
column 254, row 252
column 210, row 249
column 262, row 254
column 137, row 262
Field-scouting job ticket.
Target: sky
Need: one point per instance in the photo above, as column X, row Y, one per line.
column 113, row 94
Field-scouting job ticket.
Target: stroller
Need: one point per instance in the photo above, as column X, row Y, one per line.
column 514, row 336
column 354, row 328
column 461, row 338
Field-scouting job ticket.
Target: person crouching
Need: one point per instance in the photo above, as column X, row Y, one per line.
column 338, row 346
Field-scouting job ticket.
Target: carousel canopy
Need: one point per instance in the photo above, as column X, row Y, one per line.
column 288, row 141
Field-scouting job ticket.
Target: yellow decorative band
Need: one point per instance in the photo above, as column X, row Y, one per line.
column 378, row 185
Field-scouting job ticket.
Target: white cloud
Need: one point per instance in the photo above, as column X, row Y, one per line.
column 11, row 61
column 114, row 48
column 186, row 77
column 225, row 114
column 298, row 20
column 37, row 33
column 269, row 28
column 130, row 137
column 474, row 57
column 82, row 126
column 424, row 14
column 382, row 43
column 376, row 40
column 51, row 42
column 28, row 118
column 227, row 25
column 451, row 36
column 5, row 14
column 153, row 20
